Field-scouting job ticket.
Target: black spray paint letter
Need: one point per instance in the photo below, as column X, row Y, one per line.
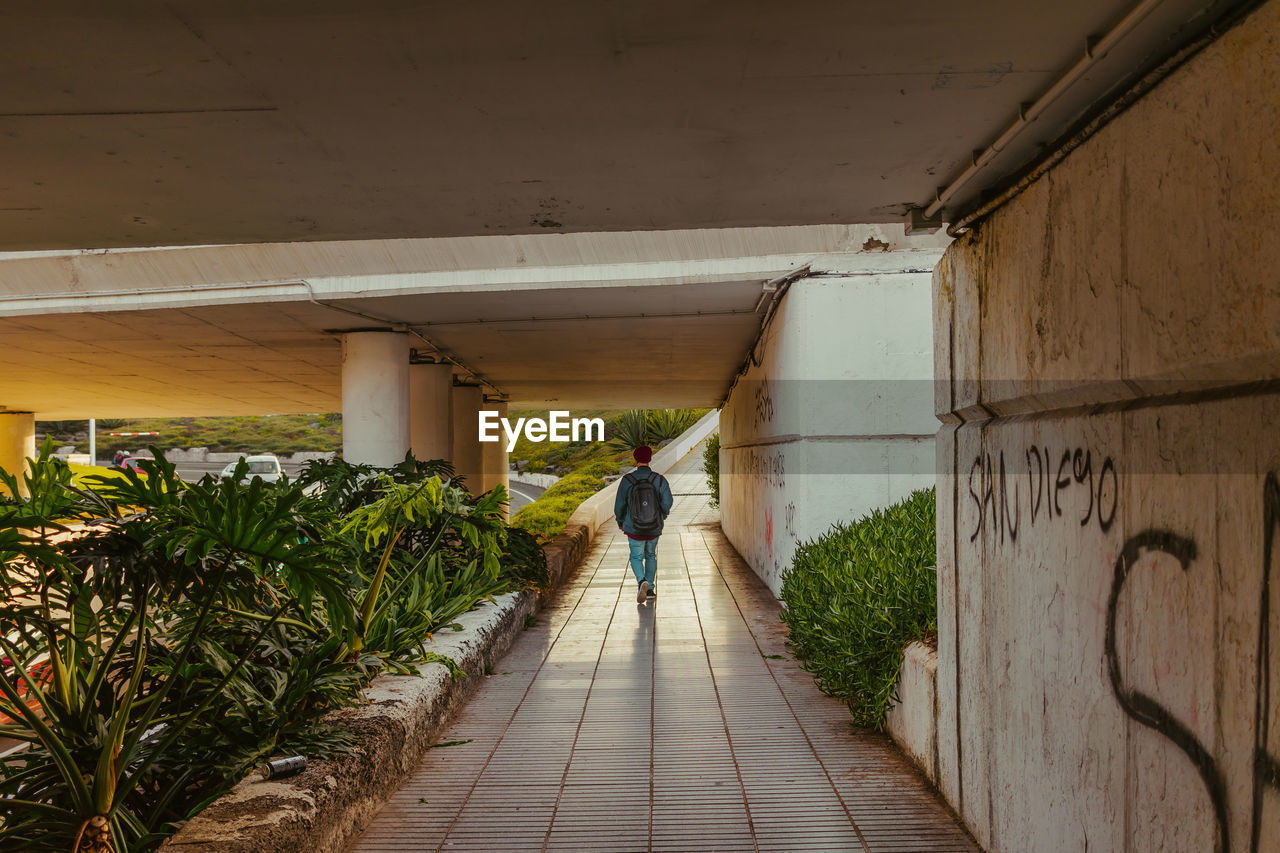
column 1143, row 708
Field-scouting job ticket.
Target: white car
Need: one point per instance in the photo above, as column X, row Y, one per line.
column 265, row 467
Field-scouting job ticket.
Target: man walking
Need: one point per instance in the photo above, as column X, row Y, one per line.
column 642, row 505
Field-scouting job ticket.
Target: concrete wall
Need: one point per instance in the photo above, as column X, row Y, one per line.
column 542, row 481
column 1107, row 518
column 834, row 416
column 912, row 721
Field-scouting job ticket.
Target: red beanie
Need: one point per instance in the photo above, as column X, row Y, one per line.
column 642, row 454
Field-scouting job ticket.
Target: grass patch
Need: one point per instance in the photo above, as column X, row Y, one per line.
column 547, row 516
column 857, row 595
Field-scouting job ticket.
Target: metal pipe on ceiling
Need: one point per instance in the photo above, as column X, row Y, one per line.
column 1095, row 49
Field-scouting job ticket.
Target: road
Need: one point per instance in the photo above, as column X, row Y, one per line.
column 523, row 494
column 196, row 470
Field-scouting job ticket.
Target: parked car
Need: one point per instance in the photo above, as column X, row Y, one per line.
column 265, row 467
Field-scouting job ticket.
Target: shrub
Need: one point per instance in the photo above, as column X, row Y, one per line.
column 711, row 465
column 547, row 516
column 857, row 595
column 524, row 559
column 668, row 424
column 192, row 629
column 631, row 429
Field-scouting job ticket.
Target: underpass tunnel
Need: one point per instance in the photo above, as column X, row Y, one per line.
column 1059, row 307
column 411, row 358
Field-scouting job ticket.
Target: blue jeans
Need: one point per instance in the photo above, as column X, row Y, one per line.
column 644, row 559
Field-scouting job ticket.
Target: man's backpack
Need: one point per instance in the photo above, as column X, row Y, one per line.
column 644, row 505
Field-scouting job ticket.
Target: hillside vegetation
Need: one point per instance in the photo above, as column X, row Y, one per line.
column 281, row 434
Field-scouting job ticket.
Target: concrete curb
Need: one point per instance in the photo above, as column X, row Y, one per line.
column 912, row 721
column 542, row 481
column 314, row 811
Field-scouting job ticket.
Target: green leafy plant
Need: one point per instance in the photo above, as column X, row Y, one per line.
column 160, row 637
column 668, row 424
column 711, row 466
column 652, row 427
column 118, row 624
column 432, row 509
column 631, row 429
column 524, row 560
column 857, row 595
column 346, row 486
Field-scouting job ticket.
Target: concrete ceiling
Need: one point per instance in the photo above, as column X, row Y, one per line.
column 282, row 357
column 540, row 320
column 520, row 186
column 136, row 123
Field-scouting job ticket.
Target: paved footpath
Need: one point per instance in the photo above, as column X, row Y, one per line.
column 666, row 726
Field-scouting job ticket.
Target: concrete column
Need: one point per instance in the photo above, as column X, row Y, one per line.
column 17, row 442
column 430, row 421
column 494, row 454
column 375, row 397
column 467, row 462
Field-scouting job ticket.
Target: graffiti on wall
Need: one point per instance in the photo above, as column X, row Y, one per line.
column 765, row 468
column 998, row 493
column 762, row 404
column 771, row 465
column 1150, row 713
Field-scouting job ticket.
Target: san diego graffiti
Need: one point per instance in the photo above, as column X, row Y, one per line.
column 1150, row 713
column 998, row 496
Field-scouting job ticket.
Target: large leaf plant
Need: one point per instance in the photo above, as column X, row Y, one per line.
column 114, row 621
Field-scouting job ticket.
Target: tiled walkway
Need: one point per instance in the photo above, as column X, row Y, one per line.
column 667, row 726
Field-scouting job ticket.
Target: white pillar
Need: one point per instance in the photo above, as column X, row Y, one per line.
column 375, row 397
column 466, row 404
column 17, row 442
column 493, row 454
column 430, row 421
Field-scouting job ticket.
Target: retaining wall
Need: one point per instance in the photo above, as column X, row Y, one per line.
column 542, row 481
column 1110, row 345
column 912, row 721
